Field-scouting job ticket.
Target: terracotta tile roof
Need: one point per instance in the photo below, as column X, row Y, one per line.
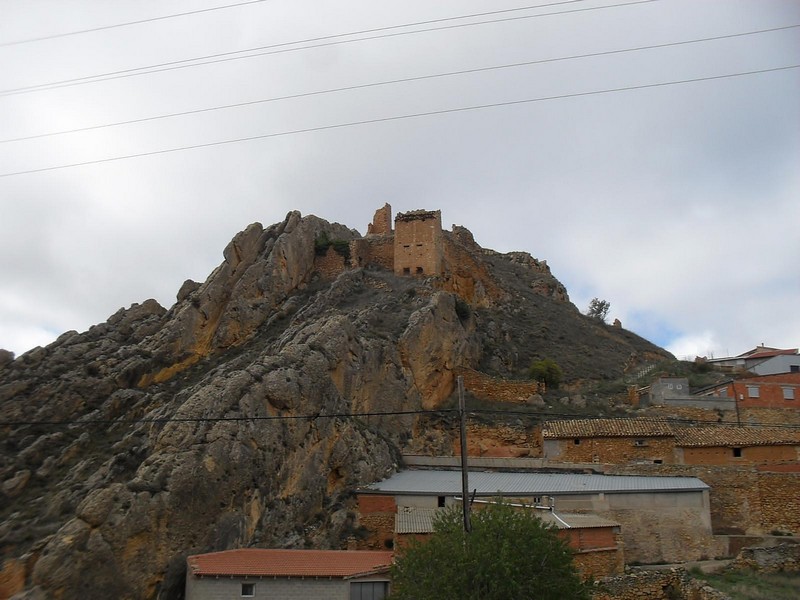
column 722, row 435
column 258, row 562
column 579, row 428
column 769, row 352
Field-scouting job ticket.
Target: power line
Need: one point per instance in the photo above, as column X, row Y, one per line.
column 393, row 82
column 395, row 118
column 230, row 56
column 117, row 25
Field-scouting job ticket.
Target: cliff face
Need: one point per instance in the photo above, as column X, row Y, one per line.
column 212, row 425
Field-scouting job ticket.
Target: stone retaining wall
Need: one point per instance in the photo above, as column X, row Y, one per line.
column 673, row 584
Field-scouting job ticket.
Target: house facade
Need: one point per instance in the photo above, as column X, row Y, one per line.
column 288, row 574
column 761, row 360
column 767, row 391
column 732, row 445
column 660, row 518
column 609, row 441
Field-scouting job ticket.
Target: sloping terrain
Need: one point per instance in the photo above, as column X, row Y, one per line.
column 223, row 421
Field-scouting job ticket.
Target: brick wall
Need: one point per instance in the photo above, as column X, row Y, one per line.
column 486, row 387
column 376, row 515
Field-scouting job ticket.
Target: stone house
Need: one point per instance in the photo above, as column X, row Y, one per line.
column 733, row 445
column 766, row 391
column 660, row 518
column 288, row 574
column 609, row 441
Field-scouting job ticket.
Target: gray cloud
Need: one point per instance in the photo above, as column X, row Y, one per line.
column 677, row 204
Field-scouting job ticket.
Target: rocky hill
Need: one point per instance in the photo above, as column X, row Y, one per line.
column 213, row 424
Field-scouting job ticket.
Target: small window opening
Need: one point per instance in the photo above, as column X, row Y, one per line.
column 640, row 443
column 577, row 441
column 440, row 501
column 248, row 590
column 406, row 270
column 419, row 270
column 658, row 461
column 737, row 453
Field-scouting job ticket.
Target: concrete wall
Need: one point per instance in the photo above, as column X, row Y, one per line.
column 211, row 588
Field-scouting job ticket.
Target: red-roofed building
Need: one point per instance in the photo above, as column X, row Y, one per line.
column 288, row 574
column 761, row 360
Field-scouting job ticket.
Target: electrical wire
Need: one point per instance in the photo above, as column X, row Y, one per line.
column 229, row 56
column 394, row 82
column 395, row 118
column 117, row 25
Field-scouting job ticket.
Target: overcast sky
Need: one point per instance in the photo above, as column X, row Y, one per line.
column 679, row 204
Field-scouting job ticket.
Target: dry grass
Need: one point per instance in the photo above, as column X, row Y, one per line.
column 751, row 585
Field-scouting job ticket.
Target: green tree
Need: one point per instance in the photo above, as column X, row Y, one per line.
column 547, row 371
column 598, row 309
column 509, row 555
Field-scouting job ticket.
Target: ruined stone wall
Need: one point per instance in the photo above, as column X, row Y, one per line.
column 611, row 450
column 784, row 557
column 381, row 222
column 373, row 251
column 592, row 564
column 486, row 387
column 499, row 441
column 418, row 245
column 331, row 264
column 672, row 584
column 464, row 275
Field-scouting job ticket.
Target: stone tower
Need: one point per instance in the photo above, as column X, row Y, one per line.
column 418, row 243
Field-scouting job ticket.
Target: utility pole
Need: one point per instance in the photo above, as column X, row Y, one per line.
column 462, row 413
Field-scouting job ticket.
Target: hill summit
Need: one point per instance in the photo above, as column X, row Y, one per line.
column 248, row 412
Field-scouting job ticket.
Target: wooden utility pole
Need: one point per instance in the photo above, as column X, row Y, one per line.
column 462, row 413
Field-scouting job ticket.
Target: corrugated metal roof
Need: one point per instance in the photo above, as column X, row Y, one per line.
column 289, row 563
column 410, row 519
column 727, row 436
column 448, row 483
column 578, row 428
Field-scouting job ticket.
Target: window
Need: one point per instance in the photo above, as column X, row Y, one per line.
column 640, row 443
column 658, row 461
column 794, row 368
column 419, row 270
column 369, row 590
column 577, row 441
column 406, row 270
column 752, row 391
column 737, row 452
column 788, row 393
column 248, row 590
column 440, row 501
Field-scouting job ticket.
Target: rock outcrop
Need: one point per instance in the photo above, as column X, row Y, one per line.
column 225, row 420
